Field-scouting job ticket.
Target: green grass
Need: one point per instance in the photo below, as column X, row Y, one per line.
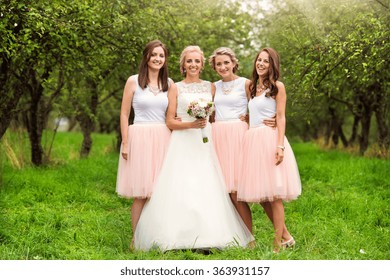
column 69, row 209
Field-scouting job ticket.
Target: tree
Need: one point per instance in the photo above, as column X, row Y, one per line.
column 333, row 56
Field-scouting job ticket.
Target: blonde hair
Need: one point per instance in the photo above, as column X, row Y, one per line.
column 224, row 51
column 185, row 52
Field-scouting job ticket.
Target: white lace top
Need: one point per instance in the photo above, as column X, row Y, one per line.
column 261, row 108
column 188, row 93
column 232, row 103
column 148, row 106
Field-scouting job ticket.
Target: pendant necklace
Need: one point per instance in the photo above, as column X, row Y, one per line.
column 229, row 89
column 154, row 90
column 260, row 89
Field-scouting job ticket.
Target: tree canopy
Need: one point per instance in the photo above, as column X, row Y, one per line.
column 71, row 59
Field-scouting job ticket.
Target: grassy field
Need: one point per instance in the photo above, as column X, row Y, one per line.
column 69, row 209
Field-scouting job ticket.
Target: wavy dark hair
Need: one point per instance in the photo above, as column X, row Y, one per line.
column 273, row 74
column 143, row 76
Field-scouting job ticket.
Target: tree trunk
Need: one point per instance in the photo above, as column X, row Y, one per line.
column 355, row 127
column 365, row 132
column 8, row 105
column 380, row 109
column 340, row 132
column 87, row 140
column 9, row 98
column 328, row 132
column 383, row 131
column 87, row 120
column 34, row 125
column 37, row 115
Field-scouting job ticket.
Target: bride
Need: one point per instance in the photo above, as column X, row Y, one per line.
column 190, row 207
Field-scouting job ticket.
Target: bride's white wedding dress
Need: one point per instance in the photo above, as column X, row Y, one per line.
column 190, row 207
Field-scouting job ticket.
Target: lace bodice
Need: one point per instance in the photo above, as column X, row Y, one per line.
column 188, row 93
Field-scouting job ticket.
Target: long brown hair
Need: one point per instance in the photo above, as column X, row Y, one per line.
column 143, row 76
column 273, row 74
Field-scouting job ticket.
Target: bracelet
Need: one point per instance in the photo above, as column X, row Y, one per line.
column 282, row 147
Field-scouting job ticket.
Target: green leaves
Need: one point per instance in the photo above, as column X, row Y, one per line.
column 333, row 53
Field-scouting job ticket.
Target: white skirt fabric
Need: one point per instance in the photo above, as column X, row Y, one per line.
column 190, row 207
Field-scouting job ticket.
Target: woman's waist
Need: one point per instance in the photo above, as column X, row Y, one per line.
column 151, row 122
column 260, row 125
column 228, row 120
column 230, row 115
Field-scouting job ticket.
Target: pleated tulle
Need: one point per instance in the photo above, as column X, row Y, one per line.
column 148, row 144
column 228, row 138
column 260, row 179
column 190, row 207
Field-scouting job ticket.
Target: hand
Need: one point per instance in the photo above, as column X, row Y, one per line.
column 199, row 123
column 244, row 118
column 279, row 156
column 270, row 122
column 125, row 151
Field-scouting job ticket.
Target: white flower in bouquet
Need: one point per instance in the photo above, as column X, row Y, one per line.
column 201, row 109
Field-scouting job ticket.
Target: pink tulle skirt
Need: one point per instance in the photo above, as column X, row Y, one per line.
column 260, row 179
column 148, row 144
column 228, row 138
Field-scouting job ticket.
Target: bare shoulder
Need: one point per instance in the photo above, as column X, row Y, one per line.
column 131, row 81
column 280, row 85
column 170, row 81
column 172, row 87
column 172, row 91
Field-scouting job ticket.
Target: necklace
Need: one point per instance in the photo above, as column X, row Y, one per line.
column 229, row 89
column 154, row 90
column 260, row 89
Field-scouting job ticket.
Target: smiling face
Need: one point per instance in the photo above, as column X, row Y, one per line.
column 193, row 63
column 262, row 64
column 157, row 59
column 224, row 66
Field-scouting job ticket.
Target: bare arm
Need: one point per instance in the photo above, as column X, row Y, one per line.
column 245, row 118
column 281, row 120
column 127, row 99
column 171, row 120
column 247, row 90
column 213, row 90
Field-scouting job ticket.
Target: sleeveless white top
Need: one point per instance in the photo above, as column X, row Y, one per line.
column 148, row 106
column 232, row 105
column 261, row 108
column 188, row 93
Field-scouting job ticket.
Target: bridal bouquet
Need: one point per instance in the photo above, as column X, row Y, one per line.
column 201, row 109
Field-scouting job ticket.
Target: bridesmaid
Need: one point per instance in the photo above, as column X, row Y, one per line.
column 145, row 142
column 269, row 171
column 231, row 102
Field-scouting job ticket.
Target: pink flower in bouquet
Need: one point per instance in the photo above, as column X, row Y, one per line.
column 201, row 109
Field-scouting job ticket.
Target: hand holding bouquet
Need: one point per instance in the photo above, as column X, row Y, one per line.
column 201, row 109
